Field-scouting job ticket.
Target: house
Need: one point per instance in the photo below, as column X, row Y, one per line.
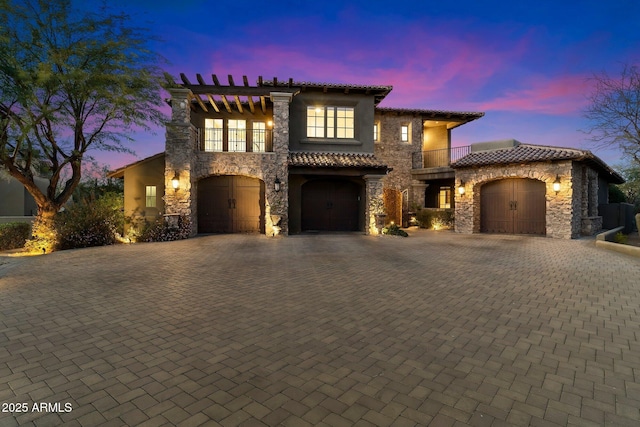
column 291, row 157
column 16, row 204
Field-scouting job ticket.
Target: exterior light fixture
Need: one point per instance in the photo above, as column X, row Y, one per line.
column 461, row 189
column 276, row 184
column 175, row 181
column 556, row 184
column 270, row 123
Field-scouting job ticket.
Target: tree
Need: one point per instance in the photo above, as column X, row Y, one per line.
column 631, row 187
column 70, row 82
column 614, row 111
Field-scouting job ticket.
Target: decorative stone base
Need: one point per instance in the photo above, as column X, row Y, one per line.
column 591, row 225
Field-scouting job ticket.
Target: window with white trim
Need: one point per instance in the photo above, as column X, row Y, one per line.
column 237, row 132
column 331, row 122
column 405, row 131
column 258, row 137
column 150, row 196
column 213, row 134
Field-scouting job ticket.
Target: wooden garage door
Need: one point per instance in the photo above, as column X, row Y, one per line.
column 230, row 204
column 330, row 205
column 514, row 206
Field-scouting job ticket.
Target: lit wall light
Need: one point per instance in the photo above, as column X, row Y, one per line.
column 270, row 123
column 276, row 184
column 461, row 189
column 556, row 184
column 175, row 181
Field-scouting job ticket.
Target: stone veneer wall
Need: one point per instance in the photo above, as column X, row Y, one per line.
column 398, row 155
column 562, row 214
column 374, row 191
column 184, row 156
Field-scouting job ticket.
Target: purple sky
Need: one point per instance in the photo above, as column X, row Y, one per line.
column 525, row 64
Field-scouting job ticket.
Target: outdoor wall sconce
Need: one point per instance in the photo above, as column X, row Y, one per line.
column 461, row 188
column 175, row 181
column 556, row 184
column 276, row 184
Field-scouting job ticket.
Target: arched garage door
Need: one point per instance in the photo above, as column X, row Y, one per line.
column 230, row 204
column 330, row 205
column 514, row 206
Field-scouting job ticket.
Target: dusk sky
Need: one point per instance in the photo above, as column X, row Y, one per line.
column 525, row 64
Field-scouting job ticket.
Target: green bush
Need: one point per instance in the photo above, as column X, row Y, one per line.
column 159, row 231
column 394, row 230
column 90, row 222
column 620, row 238
column 435, row 219
column 13, row 235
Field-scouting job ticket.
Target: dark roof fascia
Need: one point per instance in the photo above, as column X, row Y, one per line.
column 461, row 116
column 378, row 92
column 119, row 173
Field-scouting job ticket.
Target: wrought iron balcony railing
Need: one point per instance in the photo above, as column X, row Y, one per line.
column 235, row 140
column 439, row 158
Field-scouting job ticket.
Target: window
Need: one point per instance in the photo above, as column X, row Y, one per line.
column 259, row 137
column 237, row 131
column 404, row 133
column 376, row 131
column 444, row 198
column 331, row 122
column 150, row 196
column 213, row 134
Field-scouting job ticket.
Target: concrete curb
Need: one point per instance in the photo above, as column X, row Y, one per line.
column 603, row 240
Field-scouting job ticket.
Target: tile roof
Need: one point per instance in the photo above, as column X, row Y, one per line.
column 529, row 153
column 523, row 153
column 335, row 160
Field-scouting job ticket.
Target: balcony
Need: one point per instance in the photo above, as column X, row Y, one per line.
column 435, row 164
column 234, row 140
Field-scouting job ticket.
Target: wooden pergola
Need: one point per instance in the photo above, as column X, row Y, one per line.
column 220, row 97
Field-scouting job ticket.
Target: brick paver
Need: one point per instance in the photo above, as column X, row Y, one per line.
column 438, row 328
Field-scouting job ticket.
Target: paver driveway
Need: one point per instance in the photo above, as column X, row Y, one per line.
column 330, row 330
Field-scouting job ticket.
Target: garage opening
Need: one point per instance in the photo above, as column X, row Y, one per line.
column 230, row 204
column 513, row 206
column 331, row 205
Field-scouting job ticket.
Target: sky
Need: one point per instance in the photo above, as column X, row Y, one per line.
column 526, row 65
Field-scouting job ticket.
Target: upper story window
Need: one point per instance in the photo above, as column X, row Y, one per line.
column 237, row 135
column 213, row 134
column 259, row 139
column 376, row 131
column 237, row 130
column 405, row 132
column 150, row 196
column 331, row 122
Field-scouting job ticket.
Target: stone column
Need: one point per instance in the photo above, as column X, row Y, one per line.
column 179, row 154
column 417, row 195
column 374, row 202
column 277, row 209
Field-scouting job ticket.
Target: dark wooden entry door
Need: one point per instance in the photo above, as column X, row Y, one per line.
column 230, row 204
column 330, row 205
column 514, row 206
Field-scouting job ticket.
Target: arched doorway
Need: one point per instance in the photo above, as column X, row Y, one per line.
column 330, row 205
column 230, row 204
column 513, row 206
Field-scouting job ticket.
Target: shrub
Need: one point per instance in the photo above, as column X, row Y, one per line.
column 13, row 235
column 435, row 219
column 620, row 238
column 394, row 230
column 90, row 222
column 159, row 231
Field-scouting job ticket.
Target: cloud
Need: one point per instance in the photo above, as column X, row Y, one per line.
column 564, row 95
